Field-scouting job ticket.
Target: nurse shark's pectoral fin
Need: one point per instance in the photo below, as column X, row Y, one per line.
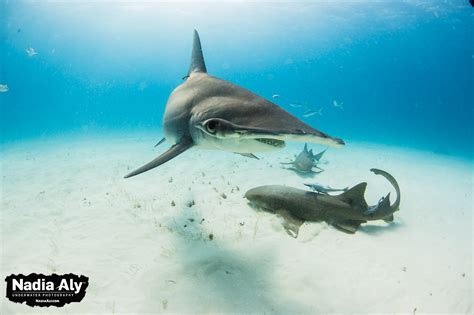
column 348, row 226
column 174, row 151
column 318, row 156
column 321, row 169
column 389, row 219
column 316, row 172
column 290, row 223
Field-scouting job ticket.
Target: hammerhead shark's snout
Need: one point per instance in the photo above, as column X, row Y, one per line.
column 338, row 141
column 209, row 112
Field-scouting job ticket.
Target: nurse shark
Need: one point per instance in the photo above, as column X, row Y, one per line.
column 346, row 211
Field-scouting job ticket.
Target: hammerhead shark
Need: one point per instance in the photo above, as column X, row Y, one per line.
column 346, row 211
column 210, row 113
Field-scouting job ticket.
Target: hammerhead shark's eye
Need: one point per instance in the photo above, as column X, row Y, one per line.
column 211, row 126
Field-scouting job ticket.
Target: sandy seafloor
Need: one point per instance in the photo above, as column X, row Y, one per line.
column 66, row 208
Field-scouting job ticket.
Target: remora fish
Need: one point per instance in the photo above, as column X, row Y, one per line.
column 346, row 211
column 322, row 189
column 211, row 113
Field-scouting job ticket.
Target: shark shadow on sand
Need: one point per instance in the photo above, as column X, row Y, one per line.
column 218, row 279
column 211, row 276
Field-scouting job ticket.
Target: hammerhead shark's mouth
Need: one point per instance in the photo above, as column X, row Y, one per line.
column 266, row 132
column 272, row 142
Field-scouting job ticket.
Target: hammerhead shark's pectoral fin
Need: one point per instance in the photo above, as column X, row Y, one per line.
column 174, row 151
column 160, row 142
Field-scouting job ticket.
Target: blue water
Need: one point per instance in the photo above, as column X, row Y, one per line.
column 403, row 71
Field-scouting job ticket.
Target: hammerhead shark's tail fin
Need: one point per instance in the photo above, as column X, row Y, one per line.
column 197, row 59
column 172, row 152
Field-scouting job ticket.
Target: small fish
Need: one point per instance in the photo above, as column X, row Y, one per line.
column 296, row 105
column 337, row 105
column 31, row 52
column 142, row 86
column 310, row 114
column 3, row 88
column 314, row 112
column 275, row 96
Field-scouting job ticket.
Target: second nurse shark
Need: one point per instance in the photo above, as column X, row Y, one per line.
column 208, row 112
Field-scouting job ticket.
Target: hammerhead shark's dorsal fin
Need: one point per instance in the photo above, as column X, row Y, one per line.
column 197, row 59
column 174, row 151
column 355, row 196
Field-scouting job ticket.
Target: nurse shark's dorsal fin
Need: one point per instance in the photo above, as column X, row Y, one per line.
column 197, row 59
column 355, row 196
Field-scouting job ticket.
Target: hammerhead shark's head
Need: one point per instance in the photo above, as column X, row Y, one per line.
column 211, row 113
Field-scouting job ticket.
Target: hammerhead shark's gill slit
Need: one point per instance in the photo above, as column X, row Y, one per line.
column 273, row 142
